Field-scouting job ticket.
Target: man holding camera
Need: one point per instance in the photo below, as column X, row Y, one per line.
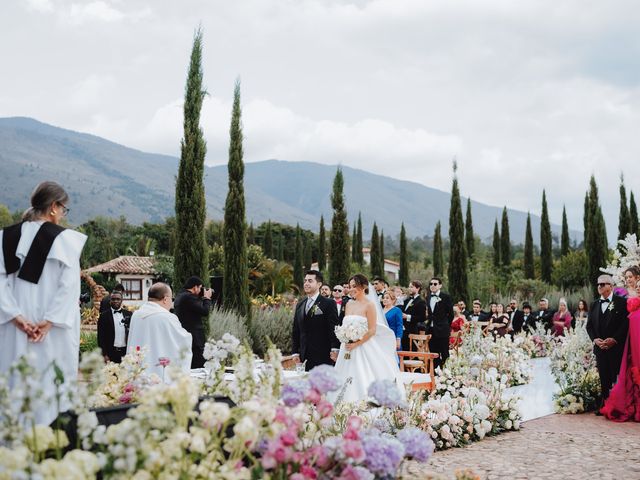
column 191, row 305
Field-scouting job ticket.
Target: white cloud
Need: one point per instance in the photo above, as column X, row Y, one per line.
column 42, row 6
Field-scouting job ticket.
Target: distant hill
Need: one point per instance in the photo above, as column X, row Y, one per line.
column 105, row 178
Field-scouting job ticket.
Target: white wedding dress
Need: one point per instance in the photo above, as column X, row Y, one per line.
column 375, row 359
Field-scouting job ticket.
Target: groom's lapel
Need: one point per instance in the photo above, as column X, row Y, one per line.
column 309, row 314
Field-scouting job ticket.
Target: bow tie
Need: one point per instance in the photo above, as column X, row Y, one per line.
column 605, row 300
column 117, row 311
column 433, row 295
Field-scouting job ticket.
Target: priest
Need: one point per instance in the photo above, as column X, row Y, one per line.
column 153, row 326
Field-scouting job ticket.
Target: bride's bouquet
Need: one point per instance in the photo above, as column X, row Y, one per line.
column 351, row 330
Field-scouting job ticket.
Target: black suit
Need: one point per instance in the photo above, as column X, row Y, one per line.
column 107, row 334
column 190, row 310
column 528, row 322
column 314, row 331
column 544, row 317
column 517, row 320
column 417, row 308
column 440, row 319
column 613, row 323
column 481, row 317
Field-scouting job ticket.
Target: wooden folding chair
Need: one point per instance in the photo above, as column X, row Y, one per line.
column 417, row 343
column 418, row 381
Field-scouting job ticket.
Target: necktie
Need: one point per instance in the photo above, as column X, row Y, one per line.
column 309, row 304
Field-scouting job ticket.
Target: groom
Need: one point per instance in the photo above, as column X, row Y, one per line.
column 314, row 321
column 607, row 326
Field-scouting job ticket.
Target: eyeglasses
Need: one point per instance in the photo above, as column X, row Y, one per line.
column 337, row 289
column 603, row 284
column 65, row 210
column 434, row 284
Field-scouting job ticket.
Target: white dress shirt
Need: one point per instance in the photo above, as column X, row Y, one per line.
column 119, row 340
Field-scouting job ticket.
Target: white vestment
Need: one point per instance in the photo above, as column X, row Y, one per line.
column 159, row 330
column 54, row 298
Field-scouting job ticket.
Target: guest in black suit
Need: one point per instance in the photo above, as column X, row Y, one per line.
column 341, row 301
column 414, row 312
column 544, row 316
column 516, row 318
column 380, row 286
column 462, row 307
column 440, row 309
column 608, row 326
column 192, row 305
column 113, row 329
column 528, row 320
column 105, row 303
column 477, row 314
column 314, row 321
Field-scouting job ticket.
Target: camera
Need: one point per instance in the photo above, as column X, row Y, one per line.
column 85, row 298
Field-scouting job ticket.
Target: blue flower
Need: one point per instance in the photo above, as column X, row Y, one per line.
column 386, row 393
column 324, row 379
column 293, row 392
column 417, row 444
column 383, row 454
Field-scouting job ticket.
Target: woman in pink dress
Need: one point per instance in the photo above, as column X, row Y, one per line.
column 561, row 319
column 623, row 403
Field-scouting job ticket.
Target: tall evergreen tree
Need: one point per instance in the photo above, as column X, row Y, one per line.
column 457, row 273
column 268, row 241
column 322, row 246
column 375, row 252
column 597, row 240
column 382, row 251
column 565, row 241
column 360, row 258
column 468, row 231
column 236, row 265
column 438, row 256
column 505, row 239
column 308, row 252
column 403, row 274
column 298, row 270
column 496, row 245
column 585, row 220
column 190, row 253
column 529, row 271
column 624, row 219
column 339, row 249
column 251, row 234
column 546, row 254
column 633, row 216
column 281, row 246
column 354, row 244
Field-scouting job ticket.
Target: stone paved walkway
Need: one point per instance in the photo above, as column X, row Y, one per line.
column 554, row 447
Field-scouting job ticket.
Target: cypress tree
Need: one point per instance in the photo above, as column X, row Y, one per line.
column 190, row 253
column 624, row 219
column 565, row 241
column 308, row 252
column 505, row 239
column 458, row 281
column 281, row 247
column 360, row 258
column 585, row 220
column 322, row 246
column 546, row 259
column 382, row 252
column 251, row 235
column 403, row 274
column 339, row 249
column 633, row 216
column 438, row 257
column 496, row 245
column 268, row 241
column 375, row 252
column 298, row 271
column 529, row 271
column 468, row 231
column 597, row 235
column 236, row 265
column 354, row 244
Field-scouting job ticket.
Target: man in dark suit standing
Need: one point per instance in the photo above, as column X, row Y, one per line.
column 516, row 318
column 414, row 312
column 544, row 316
column 440, row 308
column 607, row 326
column 192, row 305
column 113, row 329
column 315, row 318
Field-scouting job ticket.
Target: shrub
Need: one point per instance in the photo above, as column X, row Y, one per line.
column 226, row 321
column 275, row 323
column 88, row 341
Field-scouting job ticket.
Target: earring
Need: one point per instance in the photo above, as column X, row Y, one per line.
column 53, row 213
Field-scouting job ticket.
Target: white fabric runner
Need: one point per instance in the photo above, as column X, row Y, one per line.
column 536, row 397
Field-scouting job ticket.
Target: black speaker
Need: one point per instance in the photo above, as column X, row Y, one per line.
column 217, row 283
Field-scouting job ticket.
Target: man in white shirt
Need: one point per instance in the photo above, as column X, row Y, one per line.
column 153, row 326
column 113, row 329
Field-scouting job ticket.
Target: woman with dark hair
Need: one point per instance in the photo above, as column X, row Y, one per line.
column 499, row 321
column 631, row 279
column 581, row 313
column 39, row 291
column 373, row 357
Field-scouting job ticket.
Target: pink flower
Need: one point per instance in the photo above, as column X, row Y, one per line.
column 129, row 388
column 324, row 408
column 353, row 426
column 164, row 361
column 137, row 348
column 309, row 472
column 288, row 438
column 126, row 397
column 268, row 462
column 353, row 449
column 282, row 454
column 313, row 396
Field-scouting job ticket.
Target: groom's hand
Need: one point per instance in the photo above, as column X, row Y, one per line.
column 333, row 355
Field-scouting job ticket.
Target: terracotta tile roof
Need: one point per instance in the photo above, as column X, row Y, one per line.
column 126, row 264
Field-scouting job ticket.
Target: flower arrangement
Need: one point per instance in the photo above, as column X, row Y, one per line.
column 539, row 343
column 626, row 255
column 352, row 329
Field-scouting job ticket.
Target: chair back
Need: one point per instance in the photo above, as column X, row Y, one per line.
column 425, row 357
column 419, row 342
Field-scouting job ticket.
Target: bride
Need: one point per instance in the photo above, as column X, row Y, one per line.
column 374, row 356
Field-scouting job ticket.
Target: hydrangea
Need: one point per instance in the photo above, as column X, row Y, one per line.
column 324, row 379
column 355, row 473
column 386, row 393
column 417, row 443
column 383, row 454
column 293, row 393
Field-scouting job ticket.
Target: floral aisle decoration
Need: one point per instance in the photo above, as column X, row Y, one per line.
column 626, row 255
column 574, row 367
column 537, row 344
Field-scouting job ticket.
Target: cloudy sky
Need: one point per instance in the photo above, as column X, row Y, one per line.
column 525, row 94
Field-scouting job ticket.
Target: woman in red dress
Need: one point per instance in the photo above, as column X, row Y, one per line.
column 623, row 403
column 457, row 324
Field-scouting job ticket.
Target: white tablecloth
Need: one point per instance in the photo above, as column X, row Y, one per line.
column 537, row 396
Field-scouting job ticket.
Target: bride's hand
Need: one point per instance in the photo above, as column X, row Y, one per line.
column 351, row 346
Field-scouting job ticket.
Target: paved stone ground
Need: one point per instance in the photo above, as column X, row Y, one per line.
column 554, row 447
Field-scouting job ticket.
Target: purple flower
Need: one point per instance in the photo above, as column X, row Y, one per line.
column 293, row 392
column 417, row 444
column 386, row 393
column 383, row 454
column 324, row 379
column 355, row 473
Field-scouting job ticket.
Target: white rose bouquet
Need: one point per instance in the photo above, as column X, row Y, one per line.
column 351, row 330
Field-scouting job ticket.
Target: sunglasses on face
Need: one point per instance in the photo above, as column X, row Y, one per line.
column 603, row 284
column 434, row 284
column 337, row 290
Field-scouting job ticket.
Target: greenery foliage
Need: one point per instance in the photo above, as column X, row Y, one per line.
column 359, row 245
column 457, row 272
column 633, row 216
column 274, row 323
column 564, row 238
column 322, row 246
column 228, row 321
column 529, row 269
column 496, row 245
column 298, row 271
column 374, row 253
column 505, row 240
column 596, row 239
column 546, row 258
column 624, row 219
column 339, row 249
column 468, row 231
column 403, row 274
column 438, row 258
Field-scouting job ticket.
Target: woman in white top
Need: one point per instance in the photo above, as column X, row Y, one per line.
column 39, row 291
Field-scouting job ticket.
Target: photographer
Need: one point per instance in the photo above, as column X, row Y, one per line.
column 191, row 305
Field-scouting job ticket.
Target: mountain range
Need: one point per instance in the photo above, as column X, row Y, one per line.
column 108, row 179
